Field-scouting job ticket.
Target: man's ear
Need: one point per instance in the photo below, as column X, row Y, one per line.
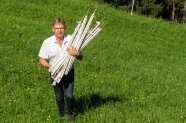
column 53, row 29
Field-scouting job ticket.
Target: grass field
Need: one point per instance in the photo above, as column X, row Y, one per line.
column 133, row 71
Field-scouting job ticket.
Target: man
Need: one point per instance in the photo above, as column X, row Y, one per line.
column 53, row 49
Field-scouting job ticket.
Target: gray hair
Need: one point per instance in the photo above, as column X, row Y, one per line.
column 58, row 21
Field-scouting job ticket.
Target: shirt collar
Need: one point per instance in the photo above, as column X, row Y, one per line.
column 64, row 41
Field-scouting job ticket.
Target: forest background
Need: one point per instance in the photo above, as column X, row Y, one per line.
column 174, row 10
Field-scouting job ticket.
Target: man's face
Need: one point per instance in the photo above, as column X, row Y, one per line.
column 59, row 30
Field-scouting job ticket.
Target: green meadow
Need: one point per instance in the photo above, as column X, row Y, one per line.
column 134, row 71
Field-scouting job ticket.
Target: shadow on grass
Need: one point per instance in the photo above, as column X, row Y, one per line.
column 86, row 102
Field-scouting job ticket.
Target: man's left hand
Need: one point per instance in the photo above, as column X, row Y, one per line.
column 73, row 51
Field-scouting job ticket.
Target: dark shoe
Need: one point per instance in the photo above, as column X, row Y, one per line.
column 71, row 117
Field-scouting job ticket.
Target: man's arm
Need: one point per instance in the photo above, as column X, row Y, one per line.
column 44, row 63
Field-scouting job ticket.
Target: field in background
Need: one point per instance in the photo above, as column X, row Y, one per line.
column 133, row 71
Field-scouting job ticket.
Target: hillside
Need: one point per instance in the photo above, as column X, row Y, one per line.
column 133, row 71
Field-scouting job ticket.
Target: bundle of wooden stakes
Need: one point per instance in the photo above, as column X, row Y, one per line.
column 82, row 35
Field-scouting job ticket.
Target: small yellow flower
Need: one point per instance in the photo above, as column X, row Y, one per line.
column 10, row 65
column 10, row 100
column 21, row 71
column 14, row 100
column 17, row 115
column 132, row 100
column 181, row 117
column 185, row 66
column 101, row 81
column 48, row 118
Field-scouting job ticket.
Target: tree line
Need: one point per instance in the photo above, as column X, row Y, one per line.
column 174, row 10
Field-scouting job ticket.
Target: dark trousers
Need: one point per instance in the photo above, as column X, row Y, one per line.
column 64, row 89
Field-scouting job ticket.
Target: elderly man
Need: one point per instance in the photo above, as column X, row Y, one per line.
column 52, row 49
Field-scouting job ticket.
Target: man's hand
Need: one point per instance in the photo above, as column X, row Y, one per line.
column 73, row 52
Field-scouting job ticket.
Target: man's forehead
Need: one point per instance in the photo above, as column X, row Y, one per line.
column 58, row 25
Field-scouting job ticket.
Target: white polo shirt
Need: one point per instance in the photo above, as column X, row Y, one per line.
column 51, row 50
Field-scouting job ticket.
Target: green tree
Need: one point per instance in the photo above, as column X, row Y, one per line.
column 175, row 9
column 167, row 9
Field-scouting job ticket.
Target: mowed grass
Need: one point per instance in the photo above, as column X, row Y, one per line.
column 133, row 71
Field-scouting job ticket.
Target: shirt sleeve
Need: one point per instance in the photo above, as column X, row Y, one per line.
column 43, row 53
